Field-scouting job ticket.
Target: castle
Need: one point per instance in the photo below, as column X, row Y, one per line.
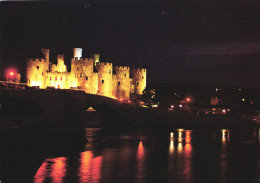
column 88, row 74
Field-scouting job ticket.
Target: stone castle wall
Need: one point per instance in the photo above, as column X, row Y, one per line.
column 102, row 81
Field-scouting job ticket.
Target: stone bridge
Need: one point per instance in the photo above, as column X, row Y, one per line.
column 64, row 106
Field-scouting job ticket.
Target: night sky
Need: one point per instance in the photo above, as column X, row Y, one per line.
column 207, row 42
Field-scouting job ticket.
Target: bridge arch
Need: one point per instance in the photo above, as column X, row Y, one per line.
column 108, row 115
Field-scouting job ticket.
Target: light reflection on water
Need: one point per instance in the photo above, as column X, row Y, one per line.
column 55, row 169
column 179, row 155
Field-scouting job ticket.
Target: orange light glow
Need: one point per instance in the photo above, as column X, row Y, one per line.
column 11, row 73
column 225, row 135
column 140, row 160
column 171, row 148
column 188, row 99
column 188, row 137
column 129, row 101
column 89, row 170
column 41, row 173
column 140, row 151
column 96, row 168
column 179, row 148
column 187, row 148
column 84, row 169
column 58, row 169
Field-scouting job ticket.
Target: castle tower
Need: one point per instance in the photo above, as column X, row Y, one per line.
column 139, row 80
column 46, row 53
column 36, row 69
column 77, row 53
column 104, row 78
column 123, row 82
column 61, row 67
column 96, row 58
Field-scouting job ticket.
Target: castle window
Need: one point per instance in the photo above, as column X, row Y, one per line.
column 75, row 75
column 102, row 81
column 56, row 78
column 81, row 75
column 77, row 68
column 137, row 83
column 86, row 77
column 61, row 78
column 29, row 81
column 42, row 73
column 109, row 71
column 38, row 67
column 118, row 83
column 125, row 74
column 50, row 78
column 142, row 77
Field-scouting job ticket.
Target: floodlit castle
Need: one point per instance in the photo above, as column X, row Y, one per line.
column 88, row 74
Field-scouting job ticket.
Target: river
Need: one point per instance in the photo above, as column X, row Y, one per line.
column 173, row 155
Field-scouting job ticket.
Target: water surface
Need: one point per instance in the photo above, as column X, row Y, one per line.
column 174, row 155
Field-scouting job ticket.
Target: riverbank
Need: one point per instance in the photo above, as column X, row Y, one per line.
column 162, row 118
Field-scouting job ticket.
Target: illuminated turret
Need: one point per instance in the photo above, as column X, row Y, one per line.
column 77, row 53
column 139, row 80
column 96, row 58
column 122, row 82
column 104, row 78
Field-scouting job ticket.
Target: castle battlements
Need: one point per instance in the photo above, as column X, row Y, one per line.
column 89, row 74
column 122, row 67
column 139, row 69
column 104, row 63
column 36, row 60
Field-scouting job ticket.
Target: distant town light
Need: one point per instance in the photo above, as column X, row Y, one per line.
column 224, row 111
column 216, row 89
column 188, row 99
column 172, row 106
column 180, row 106
column 243, row 99
column 11, row 73
column 129, row 101
column 228, row 110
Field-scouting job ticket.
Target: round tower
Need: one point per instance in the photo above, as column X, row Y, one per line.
column 139, row 80
column 123, row 82
column 104, row 78
column 77, row 52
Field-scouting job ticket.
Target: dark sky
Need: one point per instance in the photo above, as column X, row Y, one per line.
column 207, row 42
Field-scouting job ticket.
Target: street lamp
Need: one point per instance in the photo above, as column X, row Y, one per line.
column 9, row 74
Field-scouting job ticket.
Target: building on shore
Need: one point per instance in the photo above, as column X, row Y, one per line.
column 88, row 74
